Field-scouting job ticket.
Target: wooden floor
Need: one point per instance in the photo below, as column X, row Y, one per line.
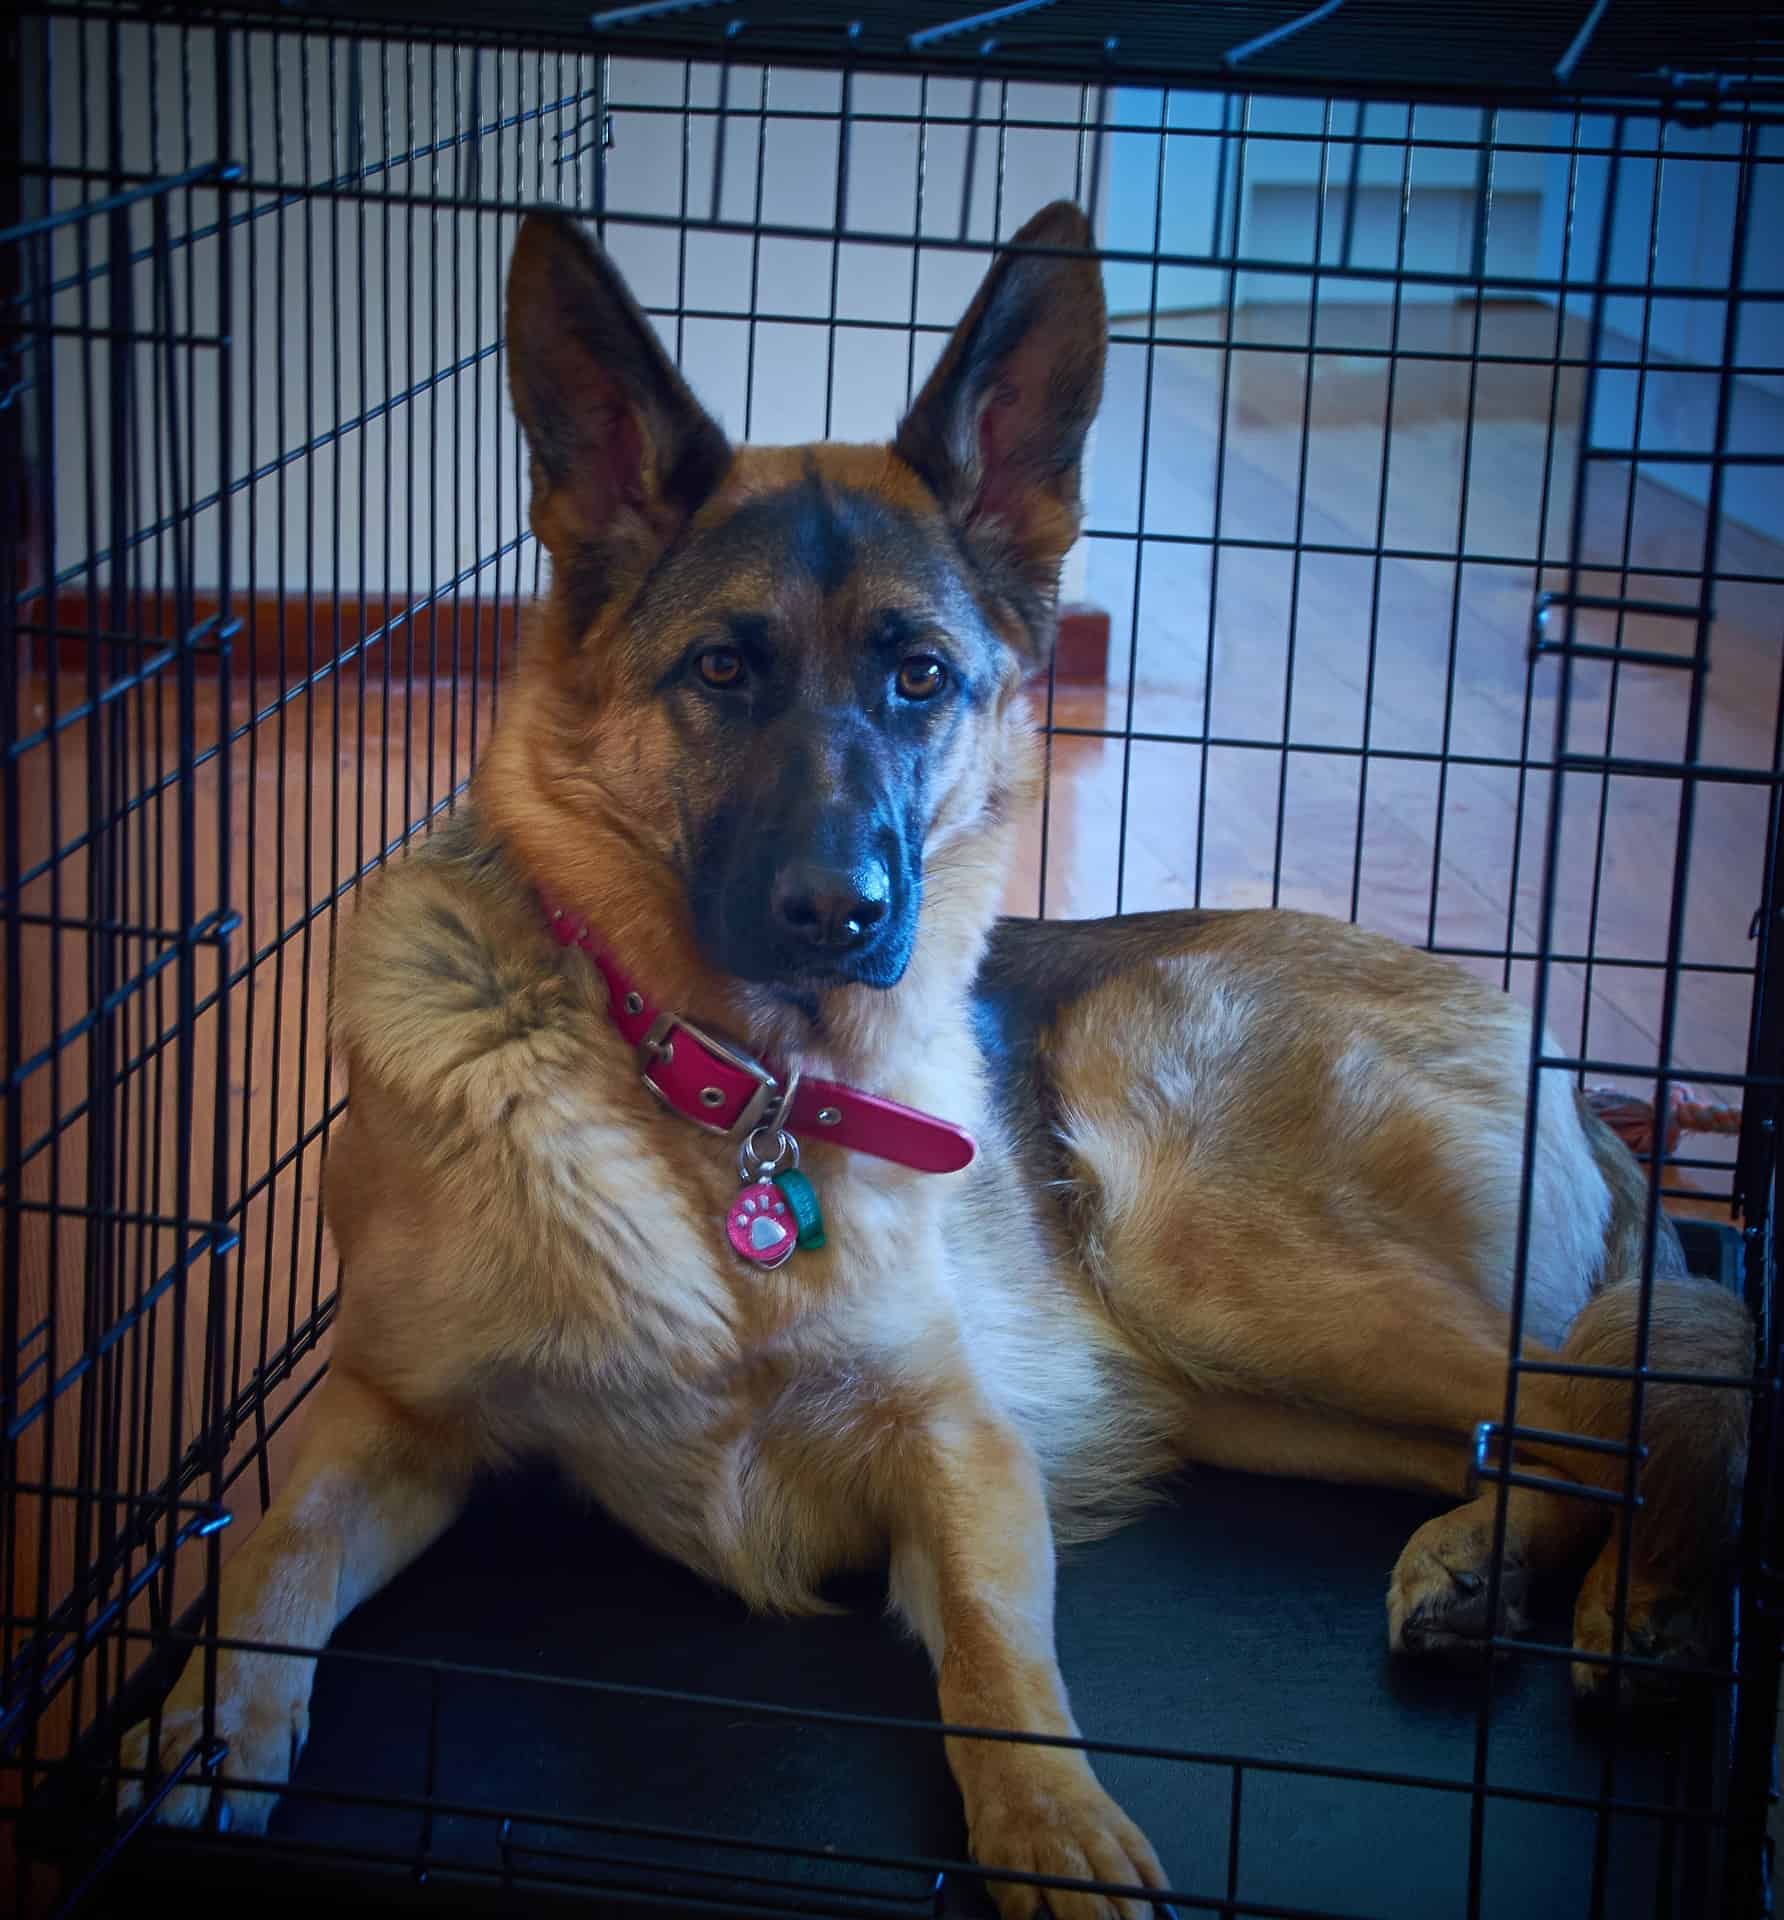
column 1410, row 658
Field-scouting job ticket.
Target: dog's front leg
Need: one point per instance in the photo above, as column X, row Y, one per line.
column 972, row 1570
column 371, row 1489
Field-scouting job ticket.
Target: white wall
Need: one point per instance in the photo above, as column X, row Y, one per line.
column 1674, row 223
column 341, row 306
column 1264, row 202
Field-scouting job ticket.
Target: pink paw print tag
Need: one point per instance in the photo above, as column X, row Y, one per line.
column 759, row 1225
column 777, row 1209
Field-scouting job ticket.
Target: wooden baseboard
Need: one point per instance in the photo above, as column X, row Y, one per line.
column 1082, row 650
column 283, row 637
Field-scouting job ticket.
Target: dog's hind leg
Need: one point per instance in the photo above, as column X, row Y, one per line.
column 1437, row 1601
column 1383, row 1370
column 1695, row 1442
column 371, row 1489
column 1363, row 1364
column 1353, row 1411
column 1694, row 1436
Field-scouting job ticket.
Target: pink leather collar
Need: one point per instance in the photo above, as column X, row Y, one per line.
column 723, row 1090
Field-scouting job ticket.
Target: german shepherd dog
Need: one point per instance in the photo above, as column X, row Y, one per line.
column 1246, row 1187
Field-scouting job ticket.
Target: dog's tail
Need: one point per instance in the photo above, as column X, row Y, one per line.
column 1695, row 1436
column 1628, row 1186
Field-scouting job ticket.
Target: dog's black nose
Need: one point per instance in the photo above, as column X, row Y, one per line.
column 829, row 910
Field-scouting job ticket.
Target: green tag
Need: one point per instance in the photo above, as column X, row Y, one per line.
column 802, row 1197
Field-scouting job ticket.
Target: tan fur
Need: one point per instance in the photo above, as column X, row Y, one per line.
column 1247, row 1190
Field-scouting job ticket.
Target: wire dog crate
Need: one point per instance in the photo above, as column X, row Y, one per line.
column 1432, row 578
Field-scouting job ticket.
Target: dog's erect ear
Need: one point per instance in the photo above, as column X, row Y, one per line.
column 998, row 431
column 622, row 452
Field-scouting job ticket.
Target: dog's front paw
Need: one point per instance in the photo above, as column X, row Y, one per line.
column 1438, row 1595
column 1046, row 1814
column 263, row 1727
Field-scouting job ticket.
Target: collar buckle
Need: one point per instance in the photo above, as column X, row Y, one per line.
column 769, row 1101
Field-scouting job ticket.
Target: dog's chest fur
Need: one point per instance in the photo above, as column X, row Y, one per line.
column 749, row 1423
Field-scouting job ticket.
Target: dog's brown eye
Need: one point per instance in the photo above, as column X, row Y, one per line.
column 921, row 677
column 720, row 667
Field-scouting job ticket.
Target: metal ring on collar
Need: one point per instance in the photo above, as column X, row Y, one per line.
column 754, row 1164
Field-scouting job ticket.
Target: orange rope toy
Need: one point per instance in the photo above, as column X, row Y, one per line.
column 1632, row 1120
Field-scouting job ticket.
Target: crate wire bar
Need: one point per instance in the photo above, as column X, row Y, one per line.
column 265, row 555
